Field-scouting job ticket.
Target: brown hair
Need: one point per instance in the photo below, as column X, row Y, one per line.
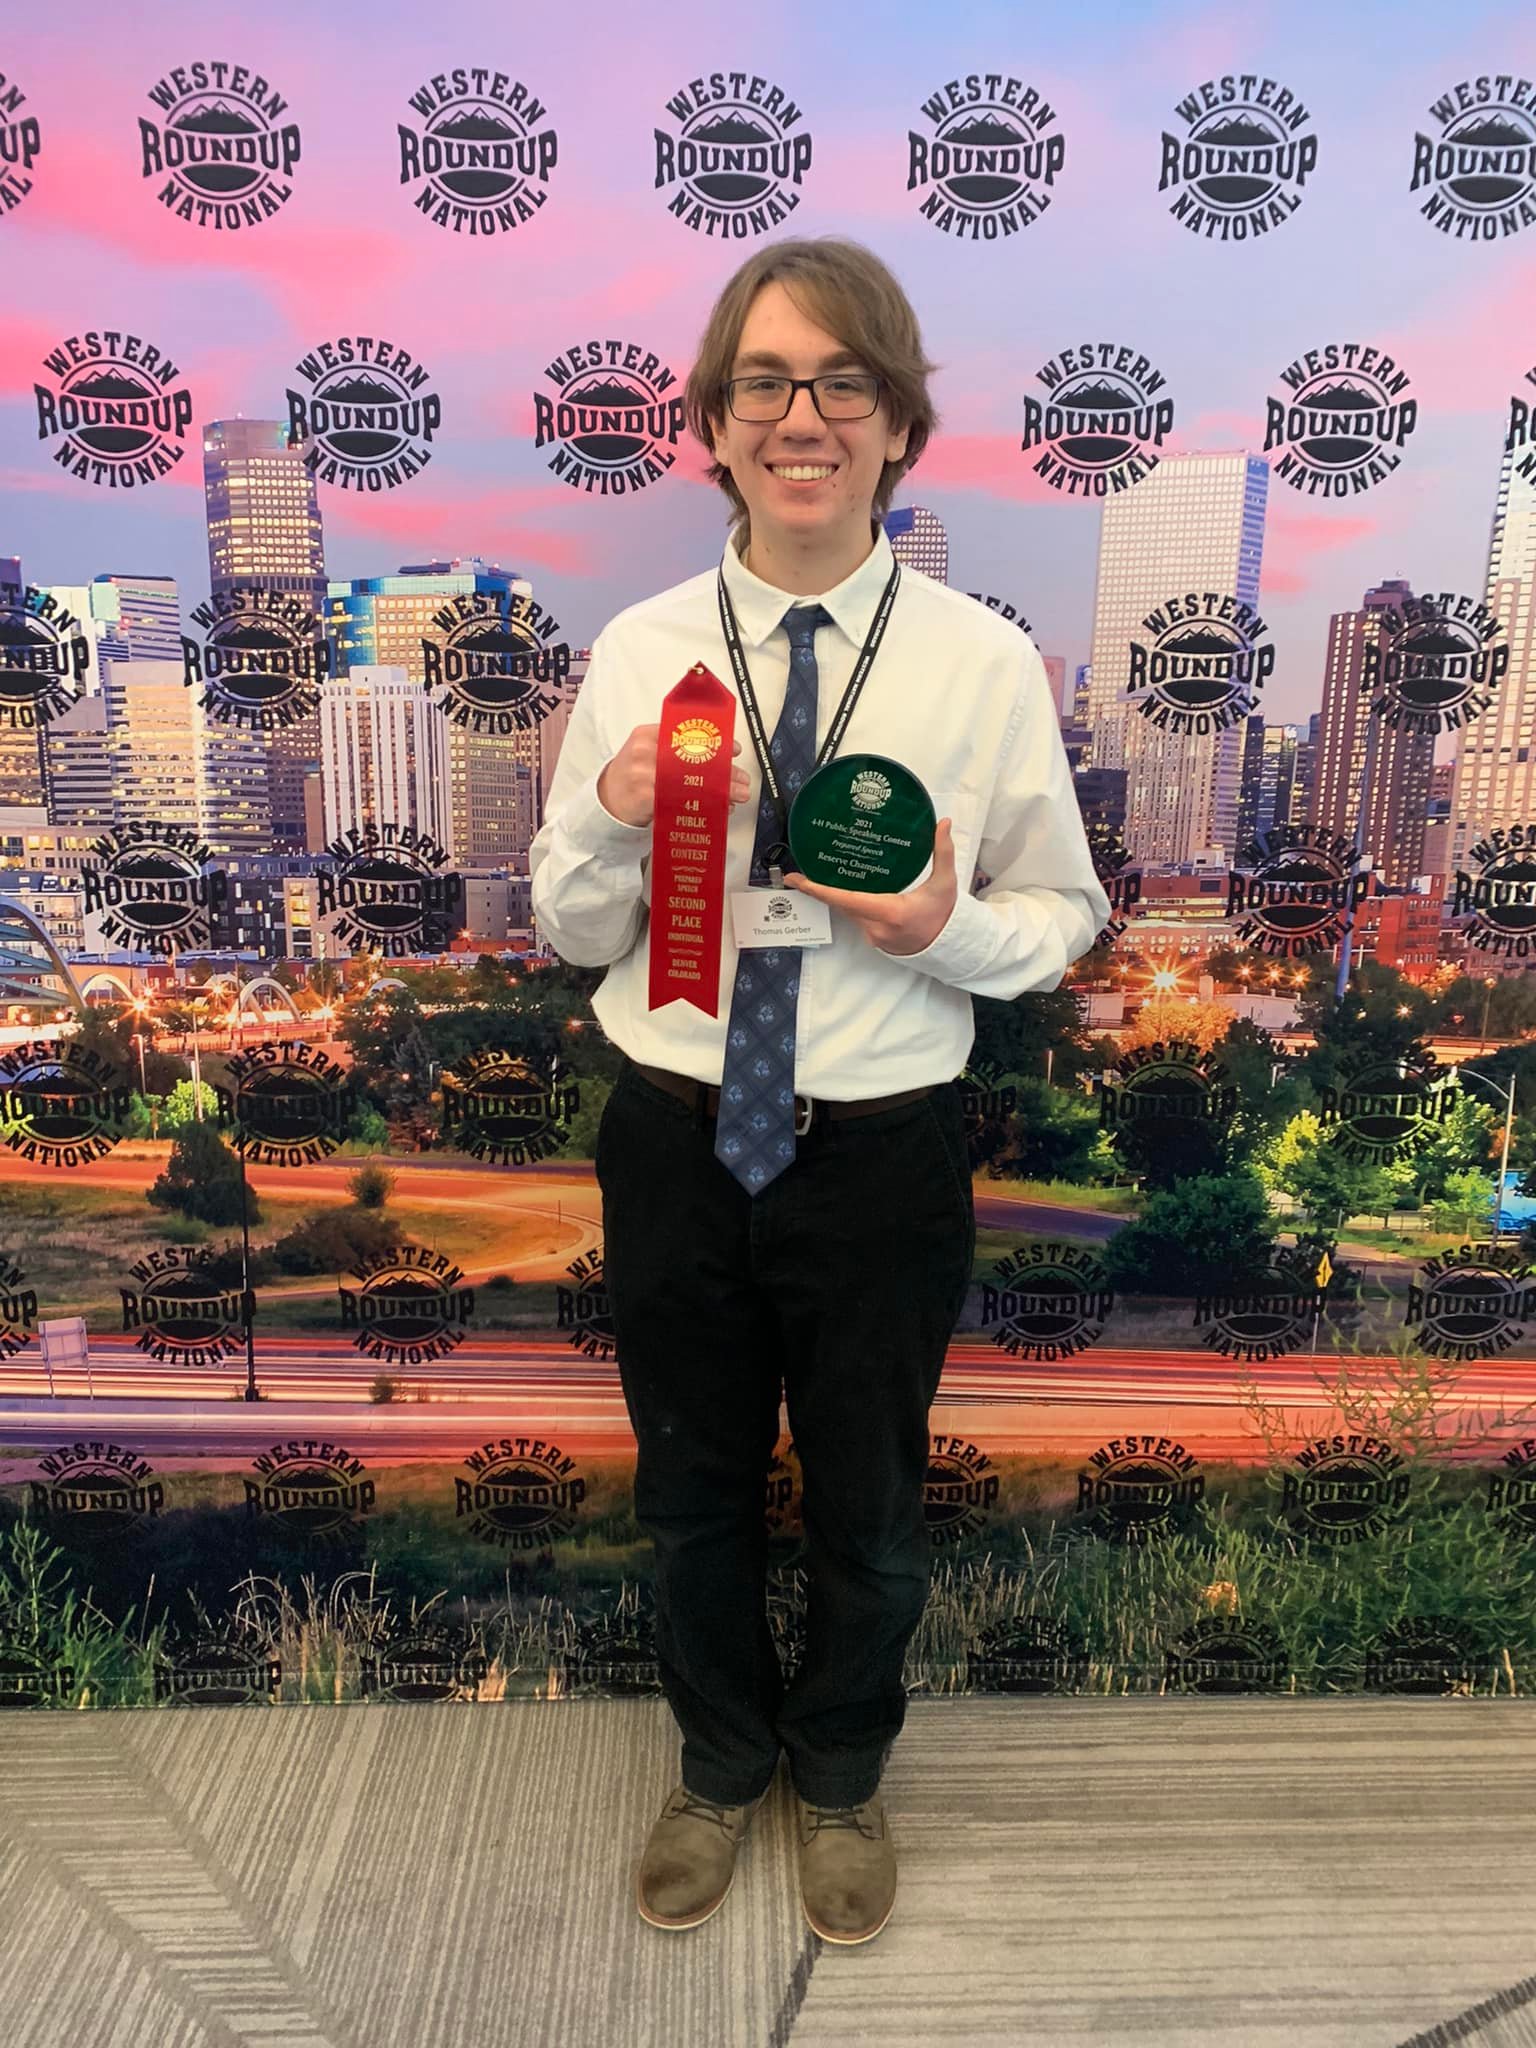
column 846, row 289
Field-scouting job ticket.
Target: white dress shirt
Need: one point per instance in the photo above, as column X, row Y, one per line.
column 957, row 695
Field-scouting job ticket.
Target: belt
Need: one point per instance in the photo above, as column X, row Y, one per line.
column 688, row 1090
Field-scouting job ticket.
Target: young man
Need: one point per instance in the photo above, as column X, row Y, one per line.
column 786, row 1191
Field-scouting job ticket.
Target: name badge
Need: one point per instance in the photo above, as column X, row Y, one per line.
column 779, row 917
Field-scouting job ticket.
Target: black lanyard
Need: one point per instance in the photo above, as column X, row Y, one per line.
column 829, row 745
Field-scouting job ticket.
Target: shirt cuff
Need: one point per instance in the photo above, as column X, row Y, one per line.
column 597, row 831
column 962, row 949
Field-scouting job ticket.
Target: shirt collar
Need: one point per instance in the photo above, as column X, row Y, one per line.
column 760, row 606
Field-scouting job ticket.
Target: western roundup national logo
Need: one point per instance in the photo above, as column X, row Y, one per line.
column 615, row 426
column 44, row 658
column 736, row 166
column 1343, row 1489
column 522, row 1493
column 1269, row 1312
column 290, row 1104
column 388, row 891
column 480, row 159
column 1521, row 433
column 1500, row 894
column 582, row 1310
column 493, row 662
column 1135, row 1489
column 1471, row 1302
column 1425, row 1654
column 1387, row 1109
column 117, row 408
column 1028, row 1653
column 21, row 144
column 959, row 1493
column 1434, row 662
column 223, row 148
column 1208, row 660
column 181, row 1314
column 261, row 661
column 1295, row 889
column 1343, row 421
column 499, row 1107
column 1046, row 1301
column 1238, row 169
column 1121, row 882
column 153, row 888
column 1166, row 1088
column 1511, row 1499
column 1102, row 422
column 423, row 1661
column 61, row 1104
column 1222, row 1653
column 409, row 1307
column 369, row 414
column 1478, row 174
column 216, row 1668
column 310, row 1488
column 18, row 1309
column 98, row 1489
column 989, row 165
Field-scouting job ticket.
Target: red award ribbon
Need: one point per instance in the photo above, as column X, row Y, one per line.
column 693, row 813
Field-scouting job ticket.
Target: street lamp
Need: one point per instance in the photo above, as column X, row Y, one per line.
column 1488, row 981
column 1509, row 1118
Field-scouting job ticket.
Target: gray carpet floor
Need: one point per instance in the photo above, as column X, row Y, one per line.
column 1315, row 1873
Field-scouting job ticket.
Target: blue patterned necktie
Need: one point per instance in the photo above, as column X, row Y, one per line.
column 755, row 1128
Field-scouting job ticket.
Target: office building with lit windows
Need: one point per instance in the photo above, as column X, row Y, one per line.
column 918, row 540
column 1196, row 522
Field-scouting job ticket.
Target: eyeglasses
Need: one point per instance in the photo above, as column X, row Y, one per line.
column 842, row 395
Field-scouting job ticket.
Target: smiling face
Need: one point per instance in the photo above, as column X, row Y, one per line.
column 821, row 517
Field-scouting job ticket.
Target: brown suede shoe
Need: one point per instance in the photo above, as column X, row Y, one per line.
column 689, row 1863
column 847, row 1869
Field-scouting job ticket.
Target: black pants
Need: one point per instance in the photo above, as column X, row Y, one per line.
column 841, row 1282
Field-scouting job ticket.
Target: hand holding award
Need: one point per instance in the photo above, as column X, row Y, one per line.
column 861, row 830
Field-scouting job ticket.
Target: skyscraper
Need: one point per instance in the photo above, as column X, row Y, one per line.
column 1269, row 775
column 1196, row 523
column 1495, row 781
column 918, row 540
column 491, row 778
column 383, row 757
column 264, row 532
column 1356, row 749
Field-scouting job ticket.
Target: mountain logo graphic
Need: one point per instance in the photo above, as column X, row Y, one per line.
column 369, row 416
column 989, row 167
column 1433, row 664
column 1100, row 426
column 219, row 147
column 115, row 409
column 477, row 155
column 1341, row 421
column 734, row 162
column 1238, row 166
column 495, row 668
column 1477, row 175
column 261, row 659
column 613, row 417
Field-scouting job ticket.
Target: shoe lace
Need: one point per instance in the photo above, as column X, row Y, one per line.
column 858, row 1817
column 705, row 1809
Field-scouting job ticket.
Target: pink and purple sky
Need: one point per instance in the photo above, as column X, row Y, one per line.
column 91, row 247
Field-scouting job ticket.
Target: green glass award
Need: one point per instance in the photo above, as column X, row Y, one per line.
column 862, row 822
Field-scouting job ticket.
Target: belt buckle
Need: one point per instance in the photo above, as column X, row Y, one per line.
column 805, row 1109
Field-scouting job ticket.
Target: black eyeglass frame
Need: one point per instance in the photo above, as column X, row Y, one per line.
column 801, row 384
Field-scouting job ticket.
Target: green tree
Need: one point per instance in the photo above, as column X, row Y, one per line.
column 1307, row 1165
column 180, row 1107
column 202, row 1179
column 1051, row 1135
column 1201, row 1236
column 581, row 1136
column 1466, row 1204
column 371, row 1186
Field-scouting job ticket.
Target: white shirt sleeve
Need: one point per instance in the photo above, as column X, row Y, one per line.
column 1044, row 905
column 587, row 868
